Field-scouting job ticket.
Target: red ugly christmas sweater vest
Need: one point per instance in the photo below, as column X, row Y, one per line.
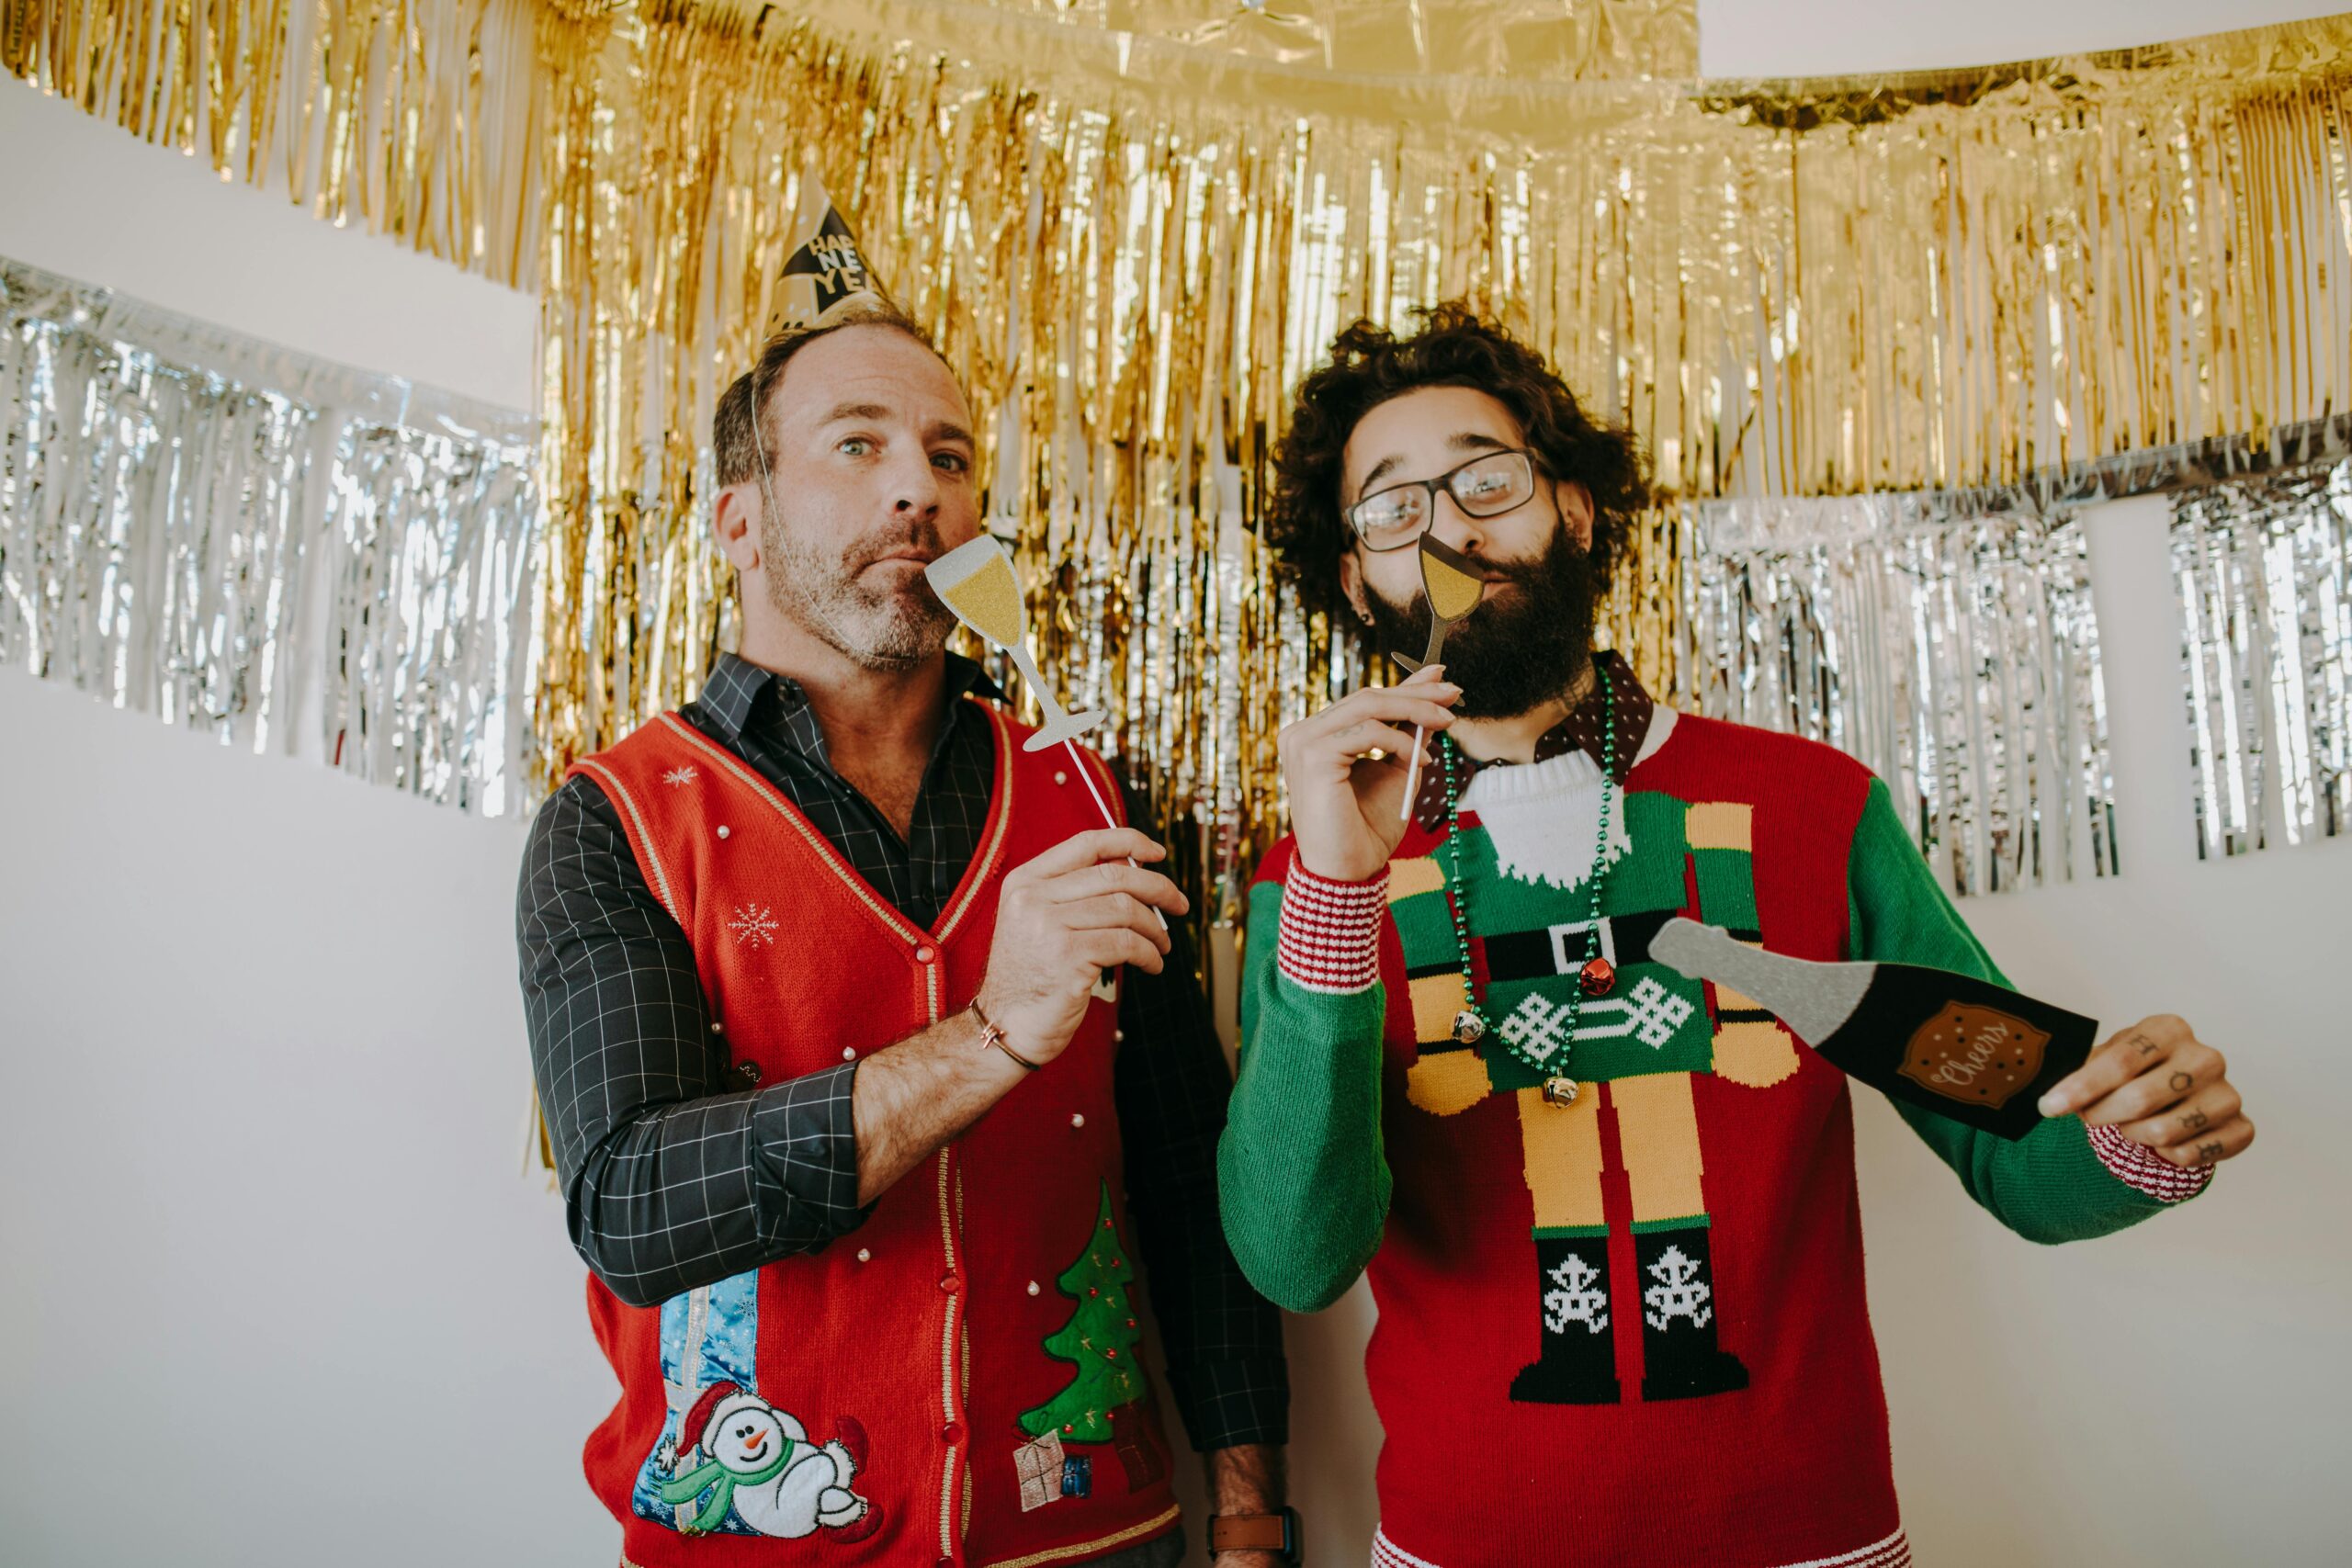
column 959, row 1380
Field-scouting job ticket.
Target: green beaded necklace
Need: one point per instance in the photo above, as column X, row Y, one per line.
column 1470, row 1025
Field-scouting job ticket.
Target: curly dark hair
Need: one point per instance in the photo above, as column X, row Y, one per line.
column 1453, row 348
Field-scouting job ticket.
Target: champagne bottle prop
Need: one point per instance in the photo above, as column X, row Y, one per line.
column 1453, row 587
column 977, row 581
column 1954, row 1044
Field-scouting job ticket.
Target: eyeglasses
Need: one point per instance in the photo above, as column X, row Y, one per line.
column 1486, row 486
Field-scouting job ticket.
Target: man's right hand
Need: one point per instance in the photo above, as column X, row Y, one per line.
column 1061, row 920
column 1346, row 807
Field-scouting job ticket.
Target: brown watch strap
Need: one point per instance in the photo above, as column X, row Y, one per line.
column 1247, row 1532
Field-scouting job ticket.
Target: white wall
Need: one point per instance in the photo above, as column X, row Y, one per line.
column 278, row 1294
column 83, row 199
column 262, row 1053
column 1829, row 37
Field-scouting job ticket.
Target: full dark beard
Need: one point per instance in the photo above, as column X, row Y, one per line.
column 1513, row 652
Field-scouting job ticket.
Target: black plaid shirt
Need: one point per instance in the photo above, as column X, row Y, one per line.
column 678, row 1174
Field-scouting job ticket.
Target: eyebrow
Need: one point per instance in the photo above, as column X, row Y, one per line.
column 941, row 430
column 1460, row 440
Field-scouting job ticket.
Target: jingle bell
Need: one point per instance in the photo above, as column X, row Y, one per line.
column 1559, row 1091
column 1468, row 1027
column 1596, row 976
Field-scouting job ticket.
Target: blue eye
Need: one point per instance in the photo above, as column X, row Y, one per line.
column 860, row 445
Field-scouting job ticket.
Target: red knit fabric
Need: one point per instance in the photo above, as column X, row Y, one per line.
column 922, row 1327
column 1793, row 1468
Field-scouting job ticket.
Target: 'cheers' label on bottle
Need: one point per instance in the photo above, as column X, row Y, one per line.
column 1976, row 1054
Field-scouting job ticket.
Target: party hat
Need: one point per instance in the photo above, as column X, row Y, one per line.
column 824, row 273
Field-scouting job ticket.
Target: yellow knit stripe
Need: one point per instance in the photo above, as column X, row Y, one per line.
column 1561, row 1148
column 1657, row 1132
column 1721, row 825
column 1409, row 877
column 1000, row 820
column 1062, row 1553
column 1436, row 998
column 652, row 855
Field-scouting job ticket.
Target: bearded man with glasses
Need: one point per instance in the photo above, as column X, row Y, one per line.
column 1609, row 1213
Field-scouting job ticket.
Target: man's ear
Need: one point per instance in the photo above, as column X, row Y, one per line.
column 1576, row 510
column 735, row 524
column 1351, row 584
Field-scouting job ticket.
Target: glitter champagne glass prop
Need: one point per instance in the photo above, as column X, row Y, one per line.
column 978, row 582
column 1453, row 586
column 1965, row 1048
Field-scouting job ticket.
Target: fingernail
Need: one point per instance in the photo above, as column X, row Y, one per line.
column 2054, row 1104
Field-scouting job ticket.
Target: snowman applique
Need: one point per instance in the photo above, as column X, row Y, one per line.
column 748, row 1456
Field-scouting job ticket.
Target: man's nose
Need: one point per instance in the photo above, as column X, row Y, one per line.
column 1454, row 527
column 918, row 486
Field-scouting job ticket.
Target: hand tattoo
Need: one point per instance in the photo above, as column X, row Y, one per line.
column 2181, row 1081
column 2195, row 1120
column 2147, row 1046
column 2208, row 1153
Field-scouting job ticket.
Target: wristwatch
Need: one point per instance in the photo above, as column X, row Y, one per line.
column 1277, row 1533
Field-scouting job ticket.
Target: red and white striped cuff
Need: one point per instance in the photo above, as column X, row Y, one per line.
column 1892, row 1552
column 2141, row 1168
column 1331, row 932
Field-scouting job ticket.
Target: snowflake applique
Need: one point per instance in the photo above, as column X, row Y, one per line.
column 1680, row 1292
column 1575, row 1298
column 676, row 777
column 1537, row 1027
column 754, row 924
column 1657, row 1012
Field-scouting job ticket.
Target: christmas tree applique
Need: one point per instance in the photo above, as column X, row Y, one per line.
column 1101, row 1337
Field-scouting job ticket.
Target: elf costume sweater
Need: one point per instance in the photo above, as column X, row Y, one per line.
column 1628, row 1330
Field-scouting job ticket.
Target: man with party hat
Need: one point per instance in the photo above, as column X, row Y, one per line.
column 1608, row 1210
column 854, row 1138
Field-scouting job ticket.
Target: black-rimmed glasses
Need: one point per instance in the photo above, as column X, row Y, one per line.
column 1486, row 486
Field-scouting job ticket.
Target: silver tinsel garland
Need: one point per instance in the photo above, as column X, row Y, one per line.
column 2265, row 575
column 1953, row 652
column 228, row 535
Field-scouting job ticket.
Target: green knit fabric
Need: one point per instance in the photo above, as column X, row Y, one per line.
column 2048, row 1185
column 1302, row 1175
column 1305, row 1182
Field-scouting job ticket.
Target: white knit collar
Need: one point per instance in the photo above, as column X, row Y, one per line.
column 1566, row 773
column 1542, row 817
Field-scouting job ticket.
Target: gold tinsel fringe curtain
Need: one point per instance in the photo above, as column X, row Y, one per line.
column 1136, row 222
column 1800, row 289
column 417, row 118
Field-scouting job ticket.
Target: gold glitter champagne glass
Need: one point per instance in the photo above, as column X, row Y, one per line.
column 977, row 581
column 1452, row 584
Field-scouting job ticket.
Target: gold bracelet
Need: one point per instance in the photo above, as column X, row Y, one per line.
column 993, row 1034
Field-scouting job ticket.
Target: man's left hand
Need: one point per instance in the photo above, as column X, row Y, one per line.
column 2158, row 1085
